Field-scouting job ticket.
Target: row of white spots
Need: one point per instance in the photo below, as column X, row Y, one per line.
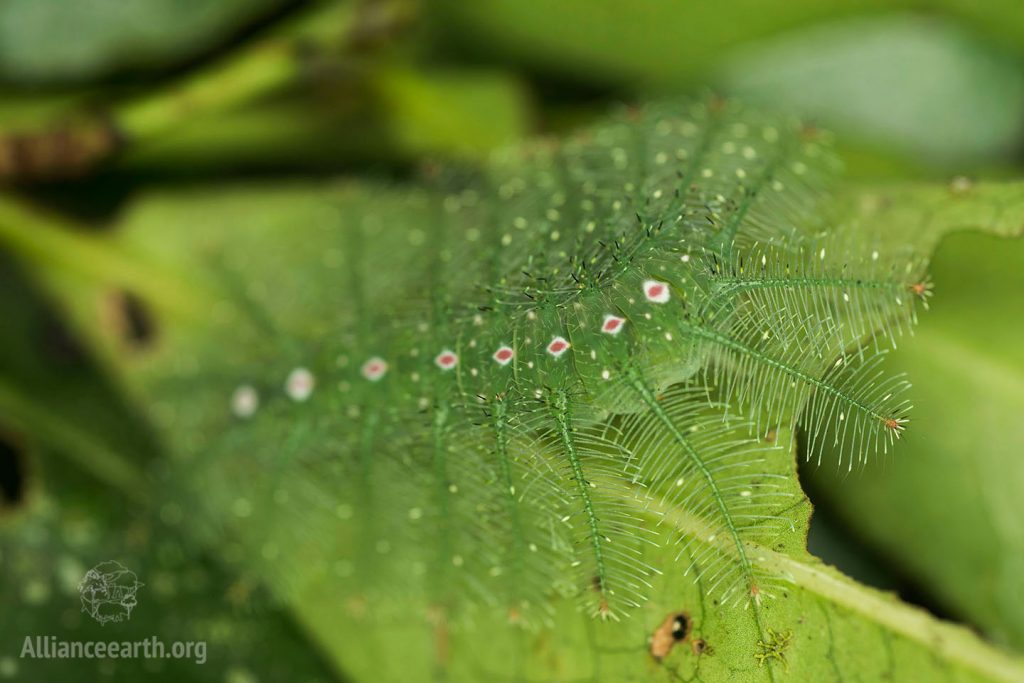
column 300, row 382
column 298, row 386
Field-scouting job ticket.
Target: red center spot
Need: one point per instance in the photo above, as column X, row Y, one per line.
column 558, row 346
column 612, row 324
column 655, row 291
column 374, row 369
column 446, row 360
column 503, row 355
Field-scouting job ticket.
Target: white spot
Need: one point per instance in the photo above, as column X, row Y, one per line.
column 446, row 360
column 244, row 401
column 299, row 385
column 656, row 291
column 612, row 324
column 374, row 368
column 504, row 355
column 558, row 346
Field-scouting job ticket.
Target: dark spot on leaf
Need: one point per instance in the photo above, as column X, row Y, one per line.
column 701, row 647
column 673, row 629
column 12, row 473
column 680, row 627
column 131, row 319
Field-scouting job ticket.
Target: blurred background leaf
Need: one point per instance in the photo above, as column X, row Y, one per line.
column 44, row 42
column 924, row 88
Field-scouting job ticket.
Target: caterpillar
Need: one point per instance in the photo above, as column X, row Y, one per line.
column 519, row 368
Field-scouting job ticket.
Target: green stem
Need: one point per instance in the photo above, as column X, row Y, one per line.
column 57, row 250
column 564, row 424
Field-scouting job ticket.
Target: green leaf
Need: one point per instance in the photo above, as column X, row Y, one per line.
column 55, row 40
column 661, row 42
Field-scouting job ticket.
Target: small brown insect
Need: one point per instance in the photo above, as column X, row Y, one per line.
column 675, row 628
column 700, row 646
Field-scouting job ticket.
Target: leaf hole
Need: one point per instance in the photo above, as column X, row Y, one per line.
column 13, row 475
column 130, row 319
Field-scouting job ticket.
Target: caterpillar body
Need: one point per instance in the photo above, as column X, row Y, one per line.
column 516, row 369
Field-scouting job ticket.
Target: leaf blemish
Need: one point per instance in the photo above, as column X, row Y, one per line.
column 12, row 473
column 129, row 319
column 675, row 628
column 773, row 646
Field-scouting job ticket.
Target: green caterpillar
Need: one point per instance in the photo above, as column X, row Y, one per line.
column 523, row 362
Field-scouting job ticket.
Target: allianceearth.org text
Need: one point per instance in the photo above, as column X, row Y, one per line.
column 52, row 647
